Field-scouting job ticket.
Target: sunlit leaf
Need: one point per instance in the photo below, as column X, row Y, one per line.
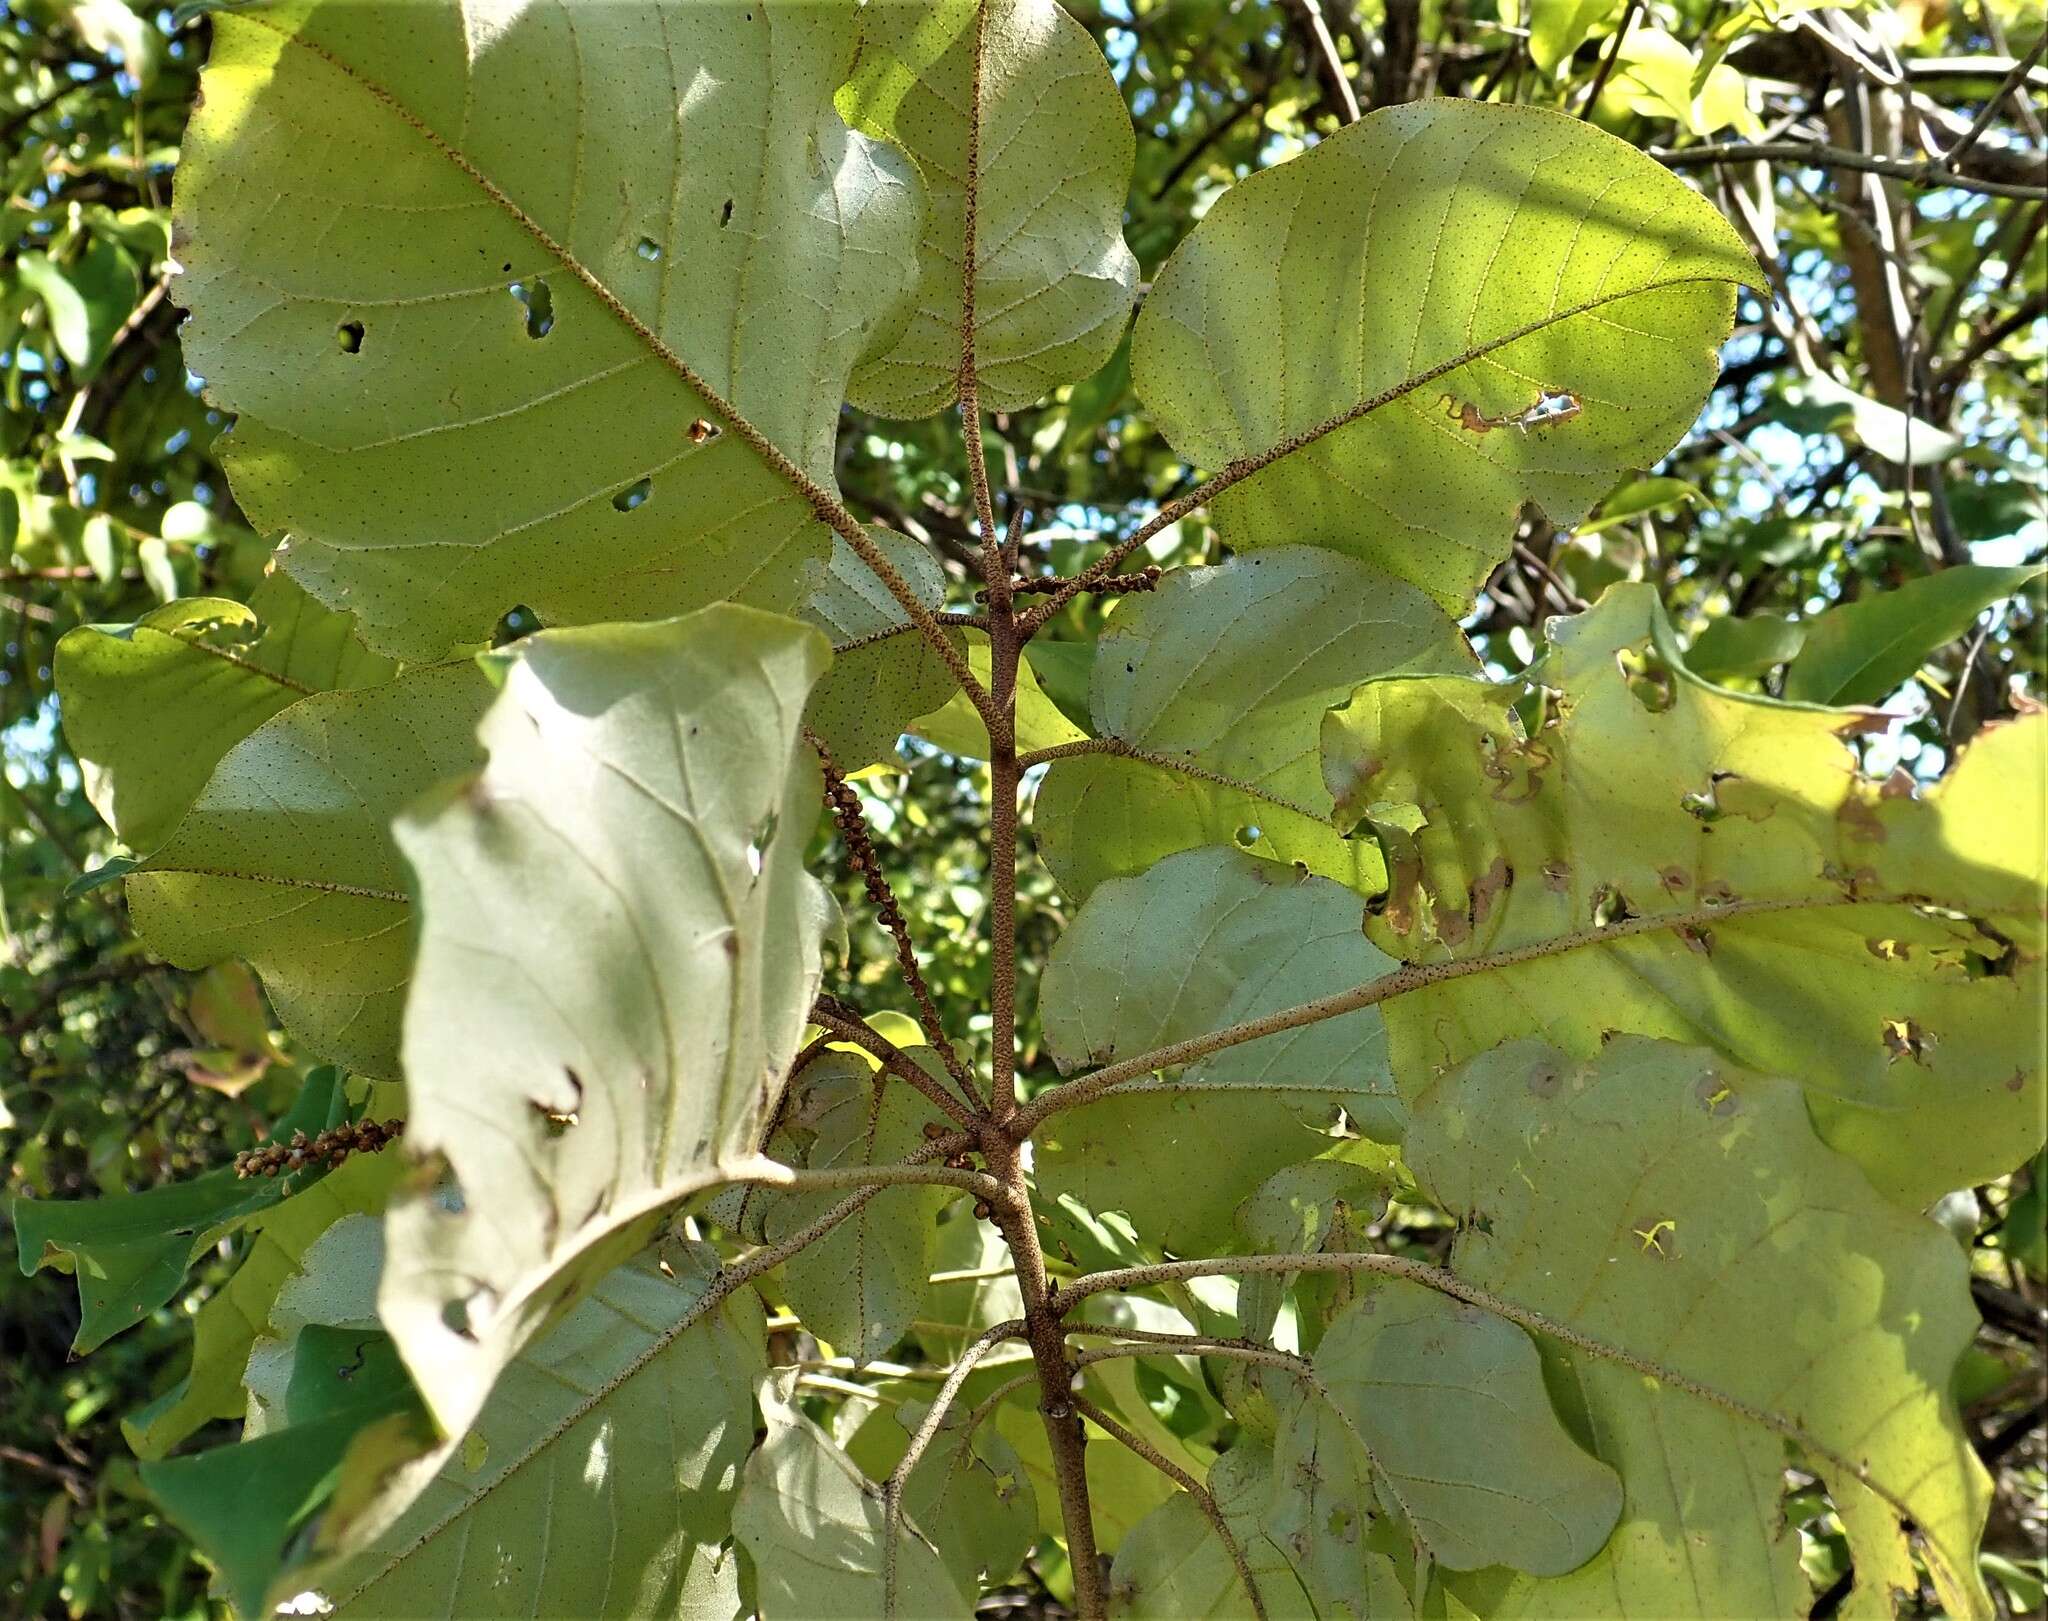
column 1858, row 652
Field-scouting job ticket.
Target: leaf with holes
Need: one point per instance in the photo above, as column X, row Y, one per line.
column 1431, row 317
column 1668, row 858
column 286, row 857
column 150, row 708
column 1054, row 283
column 585, row 1048
column 1666, row 1205
column 1224, row 729
column 605, row 380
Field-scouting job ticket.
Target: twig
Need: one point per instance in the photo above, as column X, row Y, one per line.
column 2011, row 82
column 899, row 1477
column 1187, row 1483
column 331, row 1146
column 970, row 273
column 773, row 1174
column 1817, row 155
column 845, row 1025
column 1329, row 66
column 1607, row 62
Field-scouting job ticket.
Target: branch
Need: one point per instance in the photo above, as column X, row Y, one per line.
column 1329, row 66
column 970, row 271
column 1409, row 977
column 1244, row 467
column 1607, row 62
column 1815, row 155
column 1189, row 1345
column 892, row 1488
column 1187, row 1483
column 892, row 1058
column 1989, row 110
column 774, row 1174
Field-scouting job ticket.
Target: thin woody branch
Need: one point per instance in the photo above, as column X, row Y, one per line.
column 1411, row 977
column 774, row 1174
column 1117, row 747
column 1187, row 1483
column 843, row 1025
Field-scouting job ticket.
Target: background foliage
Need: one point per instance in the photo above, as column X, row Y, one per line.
column 1877, row 427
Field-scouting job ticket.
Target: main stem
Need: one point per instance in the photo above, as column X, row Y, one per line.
column 1001, row 1152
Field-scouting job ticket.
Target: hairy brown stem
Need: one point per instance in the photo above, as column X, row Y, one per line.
column 843, row 1026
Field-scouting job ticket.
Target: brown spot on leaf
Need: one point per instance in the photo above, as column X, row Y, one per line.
column 1673, row 879
column 1557, row 877
column 1696, row 938
column 1546, row 1079
column 1903, row 1038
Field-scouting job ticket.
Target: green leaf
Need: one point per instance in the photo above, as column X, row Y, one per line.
column 130, row 1251
column 598, row 1480
column 973, row 1497
column 1053, row 282
column 1557, row 28
column 150, row 708
column 1174, row 1567
column 813, row 1525
column 1324, row 1509
column 456, row 419
column 958, row 729
column 1883, row 429
column 1639, row 498
column 858, row 1287
column 286, row 857
column 618, row 945
column 1203, row 940
column 70, row 321
column 1458, row 264
column 1448, row 1403
column 1672, row 859
column 876, row 688
column 1685, row 1214
column 1188, row 671
column 1744, row 647
column 1122, row 1487
column 1295, row 1211
column 235, row 1315
column 1860, row 652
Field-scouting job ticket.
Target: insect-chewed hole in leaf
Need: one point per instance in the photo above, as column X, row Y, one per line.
column 1905, row 1039
column 1247, row 836
column 1701, row 804
column 348, row 337
column 536, row 298
column 1648, row 678
column 702, row 431
column 633, row 495
column 757, row 846
column 648, row 249
column 1889, row 950
column 518, row 622
column 725, row 214
column 1714, row 1094
column 455, row 1316
column 1610, row 907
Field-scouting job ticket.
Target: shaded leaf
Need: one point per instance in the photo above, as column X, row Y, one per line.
column 1460, row 264
column 286, row 857
column 585, row 1047
column 1859, row 652
column 1189, row 671
column 150, row 708
column 875, row 690
column 957, row 728
column 1744, row 647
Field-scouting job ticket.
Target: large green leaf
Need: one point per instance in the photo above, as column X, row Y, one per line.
column 1671, row 859
column 150, row 708
column 1685, row 1213
column 286, row 857
column 860, row 1285
column 1174, row 1567
column 1379, row 315
column 1203, row 940
column 958, row 729
column 972, row 1496
column 1053, row 281
column 618, row 946
column 598, row 1480
column 884, row 674
column 1448, row 1404
column 813, row 1525
column 1857, row 652
column 1190, row 671
column 501, row 262
column 130, row 1251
